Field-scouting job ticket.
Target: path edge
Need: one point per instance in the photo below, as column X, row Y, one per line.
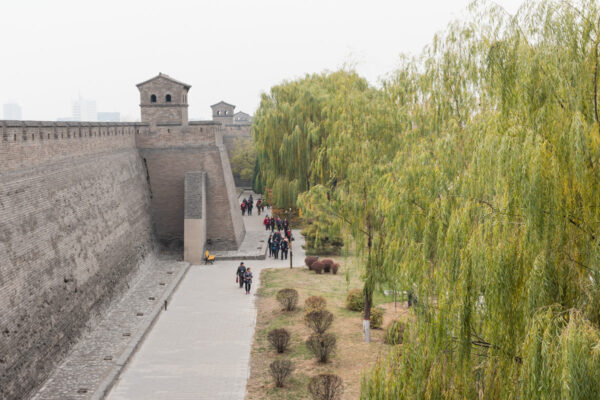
column 107, row 383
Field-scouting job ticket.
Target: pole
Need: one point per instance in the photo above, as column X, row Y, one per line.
column 289, row 218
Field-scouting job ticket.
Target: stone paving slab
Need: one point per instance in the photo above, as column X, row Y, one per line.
column 102, row 351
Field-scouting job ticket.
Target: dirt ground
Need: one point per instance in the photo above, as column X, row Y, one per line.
column 353, row 357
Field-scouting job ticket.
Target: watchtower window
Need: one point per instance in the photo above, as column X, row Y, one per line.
column 225, row 112
column 153, row 98
column 218, row 112
column 168, row 98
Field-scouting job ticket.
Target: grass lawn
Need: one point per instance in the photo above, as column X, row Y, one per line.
column 353, row 356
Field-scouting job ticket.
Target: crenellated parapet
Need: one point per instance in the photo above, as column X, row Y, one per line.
column 26, row 144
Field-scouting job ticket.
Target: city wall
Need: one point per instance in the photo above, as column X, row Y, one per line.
column 171, row 150
column 74, row 227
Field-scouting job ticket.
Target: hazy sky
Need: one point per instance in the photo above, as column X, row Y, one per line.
column 55, row 50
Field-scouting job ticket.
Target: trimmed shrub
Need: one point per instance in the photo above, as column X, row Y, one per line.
column 394, row 333
column 355, row 300
column 281, row 370
column 326, row 387
column 310, row 260
column 318, row 267
column 314, row 303
column 335, row 268
column 322, row 346
column 319, row 321
column 328, row 264
column 288, row 298
column 280, row 339
column 376, row 317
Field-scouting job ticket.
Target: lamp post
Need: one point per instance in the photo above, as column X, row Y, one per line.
column 288, row 212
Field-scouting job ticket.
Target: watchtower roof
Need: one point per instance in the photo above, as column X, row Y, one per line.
column 165, row 76
column 222, row 102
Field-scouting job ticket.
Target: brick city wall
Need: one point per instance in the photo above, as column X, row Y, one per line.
column 74, row 226
column 170, row 152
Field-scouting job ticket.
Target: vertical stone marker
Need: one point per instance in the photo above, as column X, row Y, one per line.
column 194, row 226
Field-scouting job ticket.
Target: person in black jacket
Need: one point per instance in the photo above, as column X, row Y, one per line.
column 284, row 248
column 240, row 274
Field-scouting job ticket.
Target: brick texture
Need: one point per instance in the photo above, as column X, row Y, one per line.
column 71, row 234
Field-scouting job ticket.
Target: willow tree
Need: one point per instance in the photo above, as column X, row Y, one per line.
column 363, row 136
column 290, row 129
column 497, row 212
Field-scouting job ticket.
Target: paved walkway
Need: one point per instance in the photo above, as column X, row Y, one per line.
column 200, row 347
column 89, row 366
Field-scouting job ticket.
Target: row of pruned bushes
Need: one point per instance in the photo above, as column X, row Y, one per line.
column 326, row 265
column 321, row 343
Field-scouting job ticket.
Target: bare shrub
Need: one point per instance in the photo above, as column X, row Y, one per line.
column 326, row 387
column 319, row 321
column 310, row 260
column 318, row 267
column 322, row 346
column 280, row 339
column 281, row 370
column 314, row 303
column 288, row 298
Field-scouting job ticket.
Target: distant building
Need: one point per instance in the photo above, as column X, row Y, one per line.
column 241, row 118
column 12, row 111
column 84, row 110
column 65, row 119
column 109, row 116
column 223, row 112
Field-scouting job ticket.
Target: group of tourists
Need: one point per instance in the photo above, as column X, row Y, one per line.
column 277, row 242
column 270, row 223
column 244, row 277
column 248, row 204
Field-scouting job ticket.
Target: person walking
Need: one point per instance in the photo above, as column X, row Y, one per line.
column 248, row 280
column 278, row 223
column 272, row 222
column 241, row 270
column 267, row 222
column 243, row 207
column 258, row 202
column 276, row 246
column 270, row 245
column 284, row 248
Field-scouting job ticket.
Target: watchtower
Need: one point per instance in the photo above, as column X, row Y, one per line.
column 164, row 100
column 223, row 112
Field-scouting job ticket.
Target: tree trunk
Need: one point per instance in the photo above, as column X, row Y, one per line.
column 367, row 312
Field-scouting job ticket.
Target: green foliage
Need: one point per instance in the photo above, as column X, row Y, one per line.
column 355, row 301
column 319, row 241
column 376, row 317
column 473, row 180
column 394, row 333
column 243, row 159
